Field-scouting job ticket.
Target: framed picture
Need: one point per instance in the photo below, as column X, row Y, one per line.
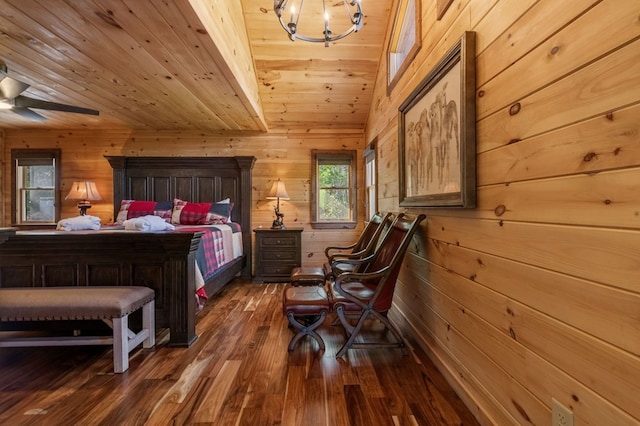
column 437, row 134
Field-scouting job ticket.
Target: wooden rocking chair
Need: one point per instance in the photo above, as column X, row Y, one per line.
column 368, row 293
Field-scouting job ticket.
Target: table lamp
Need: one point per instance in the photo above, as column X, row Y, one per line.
column 277, row 192
column 84, row 192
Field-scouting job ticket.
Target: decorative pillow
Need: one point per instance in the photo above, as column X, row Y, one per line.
column 227, row 201
column 130, row 209
column 219, row 213
column 186, row 213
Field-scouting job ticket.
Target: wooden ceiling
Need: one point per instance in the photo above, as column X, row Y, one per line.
column 211, row 65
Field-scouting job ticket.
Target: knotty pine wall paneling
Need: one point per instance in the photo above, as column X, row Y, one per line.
column 284, row 155
column 534, row 294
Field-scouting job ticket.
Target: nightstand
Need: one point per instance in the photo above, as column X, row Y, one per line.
column 278, row 251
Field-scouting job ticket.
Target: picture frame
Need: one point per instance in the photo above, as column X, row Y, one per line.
column 437, row 134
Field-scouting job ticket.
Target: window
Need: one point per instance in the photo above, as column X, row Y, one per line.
column 405, row 41
column 36, row 186
column 370, row 180
column 334, row 189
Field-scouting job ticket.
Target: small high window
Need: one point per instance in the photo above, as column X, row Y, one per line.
column 334, row 189
column 370, row 180
column 35, row 186
column 405, row 40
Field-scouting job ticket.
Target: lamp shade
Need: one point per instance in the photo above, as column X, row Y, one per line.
column 83, row 190
column 278, row 191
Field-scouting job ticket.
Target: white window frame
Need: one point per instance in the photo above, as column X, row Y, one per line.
column 370, row 180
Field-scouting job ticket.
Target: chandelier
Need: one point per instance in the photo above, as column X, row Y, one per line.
column 353, row 10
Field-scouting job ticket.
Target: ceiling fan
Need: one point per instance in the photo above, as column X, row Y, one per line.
column 11, row 99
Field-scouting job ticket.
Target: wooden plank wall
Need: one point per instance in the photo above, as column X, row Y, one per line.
column 279, row 155
column 534, row 294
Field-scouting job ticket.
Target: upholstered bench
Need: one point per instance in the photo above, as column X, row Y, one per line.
column 307, row 275
column 109, row 304
column 306, row 308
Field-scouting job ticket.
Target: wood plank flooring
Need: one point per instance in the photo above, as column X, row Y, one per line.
column 238, row 372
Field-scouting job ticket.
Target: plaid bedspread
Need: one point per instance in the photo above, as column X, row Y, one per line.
column 210, row 255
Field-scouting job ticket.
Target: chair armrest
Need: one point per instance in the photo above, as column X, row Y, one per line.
column 360, row 276
column 338, row 248
column 342, row 256
column 347, row 277
column 354, row 262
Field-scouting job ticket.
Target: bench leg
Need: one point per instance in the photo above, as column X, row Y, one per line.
column 125, row 340
column 149, row 323
column 121, row 344
column 306, row 330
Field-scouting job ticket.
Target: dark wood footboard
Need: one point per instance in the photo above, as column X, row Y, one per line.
column 163, row 261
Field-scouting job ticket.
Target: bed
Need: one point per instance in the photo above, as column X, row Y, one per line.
column 164, row 261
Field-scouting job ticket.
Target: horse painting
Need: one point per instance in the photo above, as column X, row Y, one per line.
column 433, row 136
column 437, row 133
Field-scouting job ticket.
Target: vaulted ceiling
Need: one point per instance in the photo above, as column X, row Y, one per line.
column 211, row 65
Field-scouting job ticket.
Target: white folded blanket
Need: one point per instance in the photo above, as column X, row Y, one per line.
column 148, row 223
column 79, row 223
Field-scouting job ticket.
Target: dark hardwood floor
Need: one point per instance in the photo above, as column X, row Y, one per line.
column 238, row 372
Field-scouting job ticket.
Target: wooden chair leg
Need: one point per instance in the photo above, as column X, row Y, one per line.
column 342, row 319
column 354, row 331
column 401, row 342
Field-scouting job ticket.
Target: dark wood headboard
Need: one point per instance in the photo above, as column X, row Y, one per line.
column 195, row 179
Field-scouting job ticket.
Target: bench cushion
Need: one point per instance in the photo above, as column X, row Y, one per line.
column 71, row 303
column 303, row 301
column 307, row 275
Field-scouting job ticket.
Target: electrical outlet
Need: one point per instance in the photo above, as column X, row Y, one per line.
column 560, row 415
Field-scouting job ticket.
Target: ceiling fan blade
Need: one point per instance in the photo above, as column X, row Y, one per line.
column 23, row 101
column 27, row 113
column 10, row 87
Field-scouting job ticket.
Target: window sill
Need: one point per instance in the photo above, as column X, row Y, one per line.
column 333, row 225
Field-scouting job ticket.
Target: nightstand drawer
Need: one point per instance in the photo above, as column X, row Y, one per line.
column 277, row 270
column 279, row 256
column 275, row 241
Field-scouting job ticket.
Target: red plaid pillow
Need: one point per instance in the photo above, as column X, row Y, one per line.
column 130, row 209
column 186, row 213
